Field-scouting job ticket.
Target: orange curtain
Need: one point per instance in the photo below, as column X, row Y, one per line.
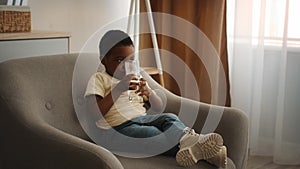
column 210, row 17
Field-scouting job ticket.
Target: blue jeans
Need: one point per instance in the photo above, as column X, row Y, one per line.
column 167, row 125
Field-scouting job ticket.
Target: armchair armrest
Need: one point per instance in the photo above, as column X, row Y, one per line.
column 234, row 129
column 39, row 145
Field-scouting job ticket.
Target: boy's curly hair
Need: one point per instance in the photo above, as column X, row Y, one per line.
column 111, row 39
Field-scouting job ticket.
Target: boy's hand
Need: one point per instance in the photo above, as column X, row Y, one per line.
column 143, row 89
column 155, row 102
column 127, row 84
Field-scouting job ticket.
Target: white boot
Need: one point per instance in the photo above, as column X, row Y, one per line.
column 219, row 160
column 195, row 147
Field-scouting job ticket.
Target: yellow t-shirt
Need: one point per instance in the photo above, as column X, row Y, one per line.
column 122, row 110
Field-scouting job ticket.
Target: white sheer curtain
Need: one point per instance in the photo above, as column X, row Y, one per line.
column 264, row 59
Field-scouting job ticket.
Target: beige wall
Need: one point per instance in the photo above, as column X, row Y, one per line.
column 79, row 17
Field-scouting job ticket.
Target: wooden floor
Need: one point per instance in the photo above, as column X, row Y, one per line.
column 258, row 162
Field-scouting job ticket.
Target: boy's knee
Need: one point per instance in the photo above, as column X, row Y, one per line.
column 149, row 131
column 170, row 115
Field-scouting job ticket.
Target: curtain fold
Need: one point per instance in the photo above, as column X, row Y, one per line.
column 209, row 16
column 264, row 54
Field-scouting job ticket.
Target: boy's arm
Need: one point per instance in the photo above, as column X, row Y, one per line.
column 155, row 102
column 105, row 103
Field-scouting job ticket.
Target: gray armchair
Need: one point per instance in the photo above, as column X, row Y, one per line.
column 40, row 129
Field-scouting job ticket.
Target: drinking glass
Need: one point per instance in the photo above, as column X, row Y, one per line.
column 132, row 67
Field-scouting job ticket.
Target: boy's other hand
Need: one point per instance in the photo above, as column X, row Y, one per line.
column 143, row 89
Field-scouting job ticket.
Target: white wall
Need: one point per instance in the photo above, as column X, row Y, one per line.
column 79, row 17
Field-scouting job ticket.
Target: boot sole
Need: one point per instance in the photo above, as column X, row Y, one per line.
column 207, row 148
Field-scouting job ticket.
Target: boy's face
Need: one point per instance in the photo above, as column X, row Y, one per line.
column 113, row 62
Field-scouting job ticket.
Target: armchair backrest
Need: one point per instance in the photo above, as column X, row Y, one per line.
column 38, row 91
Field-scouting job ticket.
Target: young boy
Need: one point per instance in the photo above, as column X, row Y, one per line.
column 131, row 118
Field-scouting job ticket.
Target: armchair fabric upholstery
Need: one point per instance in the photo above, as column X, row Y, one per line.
column 40, row 128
